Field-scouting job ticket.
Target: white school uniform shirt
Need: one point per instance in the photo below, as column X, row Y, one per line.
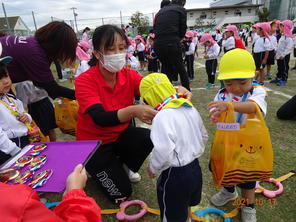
column 218, row 37
column 83, row 66
column 229, row 43
column 195, row 40
column 262, row 44
column 284, row 47
column 255, row 36
column 258, row 95
column 134, row 62
column 294, row 40
column 213, row 51
column 191, row 49
column 140, row 47
column 130, row 49
column 6, row 145
column 178, row 136
column 274, row 42
column 28, row 93
column 8, row 122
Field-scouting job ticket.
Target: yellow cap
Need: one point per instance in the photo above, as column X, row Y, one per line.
column 237, row 64
column 156, row 87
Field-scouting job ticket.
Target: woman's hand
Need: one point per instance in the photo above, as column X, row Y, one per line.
column 184, row 91
column 216, row 108
column 77, row 179
column 145, row 113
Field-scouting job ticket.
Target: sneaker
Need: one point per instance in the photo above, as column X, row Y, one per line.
column 268, row 76
column 134, row 177
column 248, row 214
column 223, row 197
column 208, row 85
column 274, row 81
column 293, row 68
column 281, row 83
column 62, row 80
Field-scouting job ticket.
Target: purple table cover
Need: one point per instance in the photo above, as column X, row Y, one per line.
column 62, row 157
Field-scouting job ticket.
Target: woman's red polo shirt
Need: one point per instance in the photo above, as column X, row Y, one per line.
column 91, row 88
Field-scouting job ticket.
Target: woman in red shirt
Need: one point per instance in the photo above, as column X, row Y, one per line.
column 105, row 94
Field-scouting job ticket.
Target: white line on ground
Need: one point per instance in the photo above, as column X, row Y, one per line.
column 278, row 93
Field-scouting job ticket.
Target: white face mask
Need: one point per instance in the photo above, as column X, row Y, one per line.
column 115, row 62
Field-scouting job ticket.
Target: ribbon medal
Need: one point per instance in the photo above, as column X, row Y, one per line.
column 24, row 178
column 37, row 162
column 40, row 179
column 7, row 175
column 23, row 161
column 36, row 150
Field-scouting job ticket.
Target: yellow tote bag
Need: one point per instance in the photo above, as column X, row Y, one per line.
column 66, row 114
column 241, row 152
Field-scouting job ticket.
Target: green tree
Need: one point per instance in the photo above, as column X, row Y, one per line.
column 199, row 23
column 263, row 14
column 141, row 22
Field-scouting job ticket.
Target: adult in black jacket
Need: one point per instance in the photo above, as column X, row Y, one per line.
column 170, row 28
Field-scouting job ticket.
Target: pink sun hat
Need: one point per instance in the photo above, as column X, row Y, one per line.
column 265, row 26
column 189, row 34
column 232, row 28
column 206, row 38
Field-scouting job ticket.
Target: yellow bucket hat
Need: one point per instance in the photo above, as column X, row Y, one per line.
column 157, row 90
column 237, row 64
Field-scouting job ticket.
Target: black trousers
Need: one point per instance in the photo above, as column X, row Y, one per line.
column 283, row 68
column 106, row 165
column 288, row 110
column 211, row 67
column 170, row 56
column 190, row 65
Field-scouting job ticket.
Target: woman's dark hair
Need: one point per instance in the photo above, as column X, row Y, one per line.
column 179, row 2
column 58, row 40
column 3, row 34
column 104, row 37
column 164, row 3
column 86, row 29
column 3, row 71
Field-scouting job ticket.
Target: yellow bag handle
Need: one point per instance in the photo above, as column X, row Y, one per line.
column 258, row 114
column 228, row 116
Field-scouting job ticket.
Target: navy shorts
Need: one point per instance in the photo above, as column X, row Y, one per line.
column 258, row 57
column 270, row 59
column 178, row 188
column 294, row 52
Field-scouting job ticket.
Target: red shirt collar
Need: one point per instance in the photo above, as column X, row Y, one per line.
column 120, row 78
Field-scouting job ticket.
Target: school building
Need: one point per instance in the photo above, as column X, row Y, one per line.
column 222, row 15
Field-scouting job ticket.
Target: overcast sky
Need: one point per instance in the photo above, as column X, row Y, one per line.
column 89, row 12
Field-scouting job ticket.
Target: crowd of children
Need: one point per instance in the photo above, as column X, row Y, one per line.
column 174, row 156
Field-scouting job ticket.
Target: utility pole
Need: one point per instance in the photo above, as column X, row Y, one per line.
column 75, row 15
column 102, row 21
column 51, row 18
column 7, row 23
column 34, row 21
column 120, row 18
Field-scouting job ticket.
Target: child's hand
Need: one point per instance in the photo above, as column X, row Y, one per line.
column 77, row 179
column 206, row 57
column 23, row 118
column 151, row 175
column 216, row 108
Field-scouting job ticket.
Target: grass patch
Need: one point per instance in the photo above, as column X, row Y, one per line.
column 284, row 146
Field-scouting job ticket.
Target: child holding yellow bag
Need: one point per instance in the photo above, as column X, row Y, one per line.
column 237, row 70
